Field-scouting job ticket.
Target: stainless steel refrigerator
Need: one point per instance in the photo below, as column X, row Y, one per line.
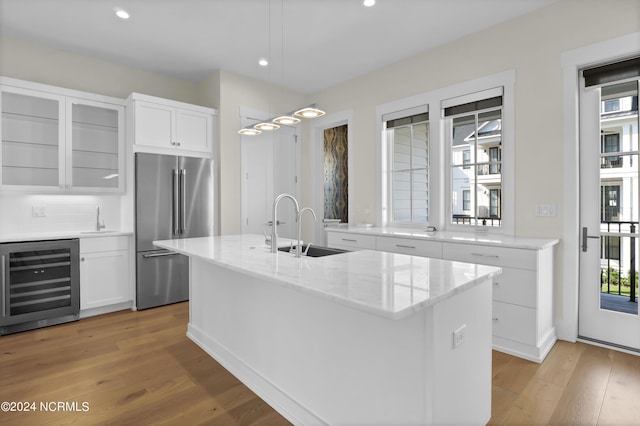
column 174, row 199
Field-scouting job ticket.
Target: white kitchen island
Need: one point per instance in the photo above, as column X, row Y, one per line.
column 357, row 338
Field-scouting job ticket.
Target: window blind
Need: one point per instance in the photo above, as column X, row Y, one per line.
column 609, row 73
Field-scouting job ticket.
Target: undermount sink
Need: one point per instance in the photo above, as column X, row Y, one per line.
column 315, row 251
column 97, row 232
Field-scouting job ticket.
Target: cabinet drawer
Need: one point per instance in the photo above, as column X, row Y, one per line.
column 346, row 239
column 517, row 286
column 99, row 244
column 410, row 246
column 514, row 322
column 490, row 255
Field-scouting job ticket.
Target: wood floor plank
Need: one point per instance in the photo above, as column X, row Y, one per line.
column 621, row 405
column 140, row 368
column 582, row 398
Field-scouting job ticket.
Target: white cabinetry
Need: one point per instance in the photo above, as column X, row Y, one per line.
column 105, row 283
column 522, row 295
column 410, row 246
column 165, row 126
column 56, row 140
column 348, row 241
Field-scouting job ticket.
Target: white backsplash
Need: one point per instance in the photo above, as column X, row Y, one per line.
column 21, row 213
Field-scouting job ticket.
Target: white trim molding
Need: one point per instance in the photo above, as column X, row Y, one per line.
column 318, row 126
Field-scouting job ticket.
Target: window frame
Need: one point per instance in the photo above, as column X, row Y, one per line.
column 439, row 161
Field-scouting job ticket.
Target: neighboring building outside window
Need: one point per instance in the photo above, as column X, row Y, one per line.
column 476, row 129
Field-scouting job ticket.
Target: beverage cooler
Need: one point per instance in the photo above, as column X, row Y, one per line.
column 40, row 284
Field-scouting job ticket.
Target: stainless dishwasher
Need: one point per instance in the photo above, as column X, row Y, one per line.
column 40, row 283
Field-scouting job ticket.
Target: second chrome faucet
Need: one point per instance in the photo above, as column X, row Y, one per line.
column 274, row 226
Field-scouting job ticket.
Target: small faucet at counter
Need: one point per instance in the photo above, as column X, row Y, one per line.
column 299, row 247
column 99, row 225
column 274, row 226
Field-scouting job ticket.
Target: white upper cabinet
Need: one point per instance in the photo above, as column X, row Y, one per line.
column 57, row 140
column 165, row 126
column 32, row 139
column 95, row 146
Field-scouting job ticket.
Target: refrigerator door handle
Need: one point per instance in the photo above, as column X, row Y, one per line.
column 168, row 253
column 175, row 218
column 183, row 200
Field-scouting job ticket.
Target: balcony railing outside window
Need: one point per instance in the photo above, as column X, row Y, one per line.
column 618, row 259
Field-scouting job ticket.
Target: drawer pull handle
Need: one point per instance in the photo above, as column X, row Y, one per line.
column 496, row 284
column 492, row 256
column 351, row 241
column 403, row 246
column 495, row 318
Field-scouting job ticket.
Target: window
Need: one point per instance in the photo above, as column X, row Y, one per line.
column 466, row 200
column 612, row 105
column 610, row 143
column 476, row 129
column 408, row 141
column 423, row 156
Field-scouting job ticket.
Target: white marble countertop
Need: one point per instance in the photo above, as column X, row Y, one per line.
column 451, row 237
column 386, row 284
column 59, row 235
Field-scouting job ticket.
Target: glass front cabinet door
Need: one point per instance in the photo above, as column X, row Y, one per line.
column 33, row 138
column 95, row 146
column 57, row 143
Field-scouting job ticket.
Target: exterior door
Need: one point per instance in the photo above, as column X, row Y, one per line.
column 608, row 309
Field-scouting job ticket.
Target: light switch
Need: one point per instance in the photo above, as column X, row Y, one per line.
column 546, row 210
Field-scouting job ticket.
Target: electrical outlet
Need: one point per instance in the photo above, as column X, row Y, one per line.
column 39, row 211
column 459, row 336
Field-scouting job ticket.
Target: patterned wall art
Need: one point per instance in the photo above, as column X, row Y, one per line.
column 336, row 174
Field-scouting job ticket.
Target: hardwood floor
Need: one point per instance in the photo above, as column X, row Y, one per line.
column 140, row 368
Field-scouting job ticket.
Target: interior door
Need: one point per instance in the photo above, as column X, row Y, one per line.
column 269, row 168
column 608, row 307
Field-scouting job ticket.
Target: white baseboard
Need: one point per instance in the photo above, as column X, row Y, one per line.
column 284, row 404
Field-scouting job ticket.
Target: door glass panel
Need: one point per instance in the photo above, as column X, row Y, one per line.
column 95, row 147
column 30, row 140
column 619, row 197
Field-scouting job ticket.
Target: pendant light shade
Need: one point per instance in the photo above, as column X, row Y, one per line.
column 249, row 132
column 286, row 120
column 309, row 112
column 266, row 126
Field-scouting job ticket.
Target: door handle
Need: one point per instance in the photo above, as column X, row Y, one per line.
column 586, row 236
column 176, row 211
column 183, row 199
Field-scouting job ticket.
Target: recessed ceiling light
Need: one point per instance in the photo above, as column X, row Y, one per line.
column 368, row 3
column 263, row 62
column 121, row 13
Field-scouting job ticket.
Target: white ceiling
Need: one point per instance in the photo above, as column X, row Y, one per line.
column 325, row 42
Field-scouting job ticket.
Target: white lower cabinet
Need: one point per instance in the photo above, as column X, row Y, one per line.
column 522, row 294
column 413, row 247
column 104, row 274
column 348, row 241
